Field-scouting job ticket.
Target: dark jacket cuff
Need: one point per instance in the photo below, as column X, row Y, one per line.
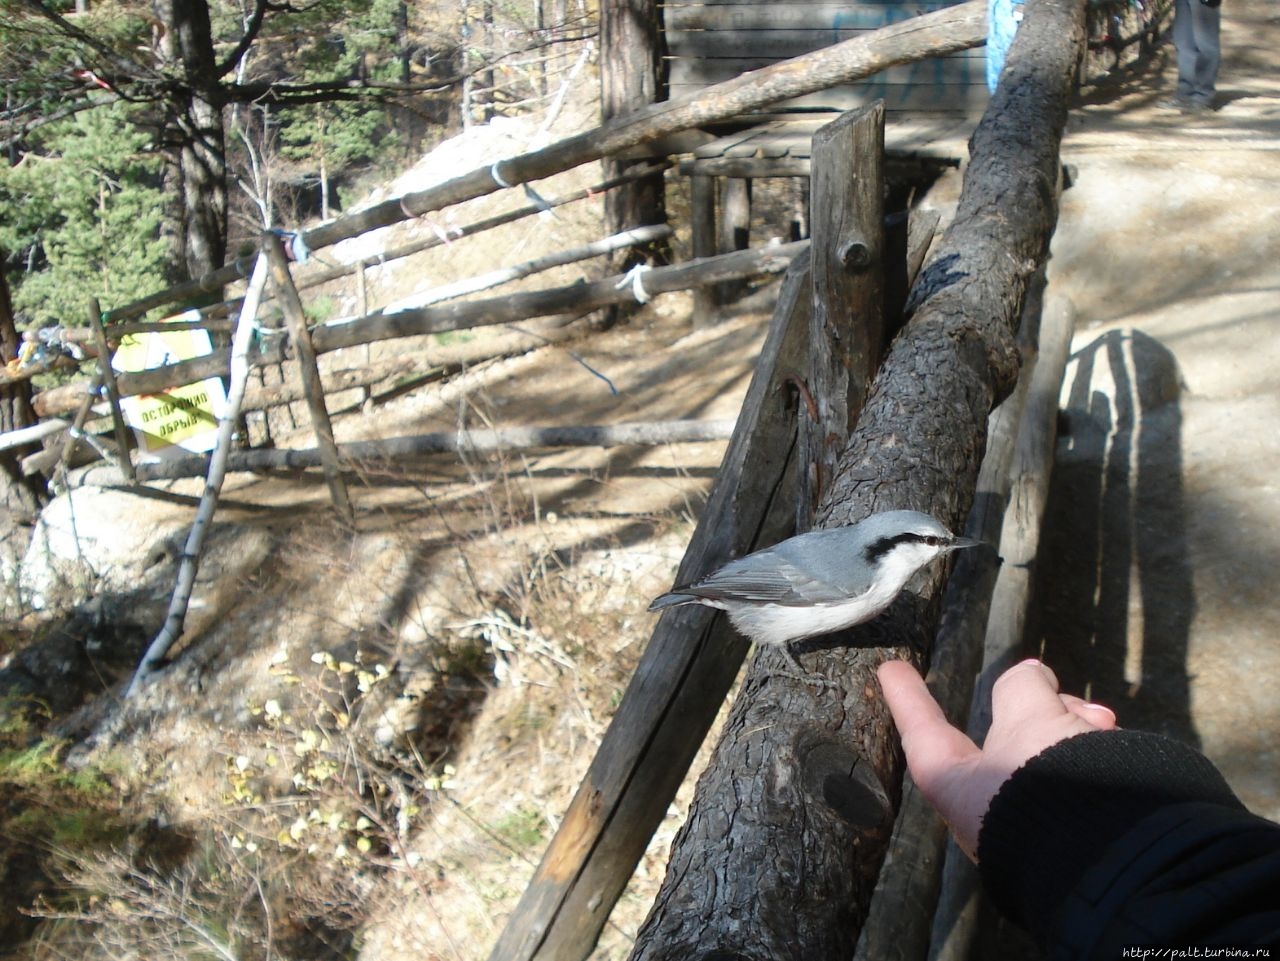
column 1057, row 815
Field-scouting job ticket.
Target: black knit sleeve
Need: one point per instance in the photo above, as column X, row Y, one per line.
column 1125, row 838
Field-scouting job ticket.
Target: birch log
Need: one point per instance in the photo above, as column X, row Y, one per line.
column 190, row 563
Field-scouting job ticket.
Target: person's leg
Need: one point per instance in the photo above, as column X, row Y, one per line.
column 1207, row 22
column 1184, row 39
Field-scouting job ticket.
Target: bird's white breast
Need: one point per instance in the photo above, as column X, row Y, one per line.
column 779, row 623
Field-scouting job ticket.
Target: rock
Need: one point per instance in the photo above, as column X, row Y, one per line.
column 95, row 539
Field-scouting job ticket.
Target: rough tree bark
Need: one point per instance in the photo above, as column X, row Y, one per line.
column 631, row 78
column 197, row 161
column 780, row 852
column 20, row 496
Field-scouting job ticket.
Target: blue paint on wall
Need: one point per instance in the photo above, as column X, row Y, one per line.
column 1002, row 23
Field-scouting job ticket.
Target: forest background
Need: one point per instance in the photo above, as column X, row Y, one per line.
column 145, row 142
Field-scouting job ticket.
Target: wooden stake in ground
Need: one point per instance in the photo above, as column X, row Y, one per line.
column 108, row 376
column 791, row 820
column 190, row 562
column 291, row 303
column 847, row 320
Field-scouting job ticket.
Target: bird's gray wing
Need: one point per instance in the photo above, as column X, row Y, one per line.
column 778, row 582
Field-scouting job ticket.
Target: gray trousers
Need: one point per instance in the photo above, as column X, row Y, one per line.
column 1195, row 33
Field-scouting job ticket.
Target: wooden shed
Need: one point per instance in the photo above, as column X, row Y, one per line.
column 931, row 104
column 709, row 41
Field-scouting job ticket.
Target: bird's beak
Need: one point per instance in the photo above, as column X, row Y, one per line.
column 960, row 542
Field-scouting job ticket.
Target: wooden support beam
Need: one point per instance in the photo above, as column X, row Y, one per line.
column 702, row 214
column 779, row 854
column 391, row 449
column 847, row 322
column 733, row 229
column 955, row 920
column 683, row 675
column 287, row 296
column 108, row 377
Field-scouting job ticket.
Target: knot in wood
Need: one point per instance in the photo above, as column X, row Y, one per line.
column 845, row 783
column 855, row 254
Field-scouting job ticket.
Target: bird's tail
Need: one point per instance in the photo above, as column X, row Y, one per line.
column 671, row 599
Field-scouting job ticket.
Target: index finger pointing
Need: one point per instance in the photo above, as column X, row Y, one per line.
column 929, row 741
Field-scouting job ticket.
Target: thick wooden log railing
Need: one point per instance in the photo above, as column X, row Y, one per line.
column 790, row 823
column 901, row 916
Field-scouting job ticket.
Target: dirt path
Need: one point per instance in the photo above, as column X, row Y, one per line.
column 1160, row 557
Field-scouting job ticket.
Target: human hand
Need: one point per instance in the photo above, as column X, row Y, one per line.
column 957, row 777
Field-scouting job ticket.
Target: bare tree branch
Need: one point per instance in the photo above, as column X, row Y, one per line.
column 251, row 31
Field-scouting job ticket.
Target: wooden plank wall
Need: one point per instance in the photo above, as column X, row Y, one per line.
column 709, row 41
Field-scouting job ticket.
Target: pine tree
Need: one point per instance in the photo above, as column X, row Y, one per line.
column 83, row 212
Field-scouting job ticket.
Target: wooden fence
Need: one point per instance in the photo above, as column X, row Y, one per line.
column 787, row 459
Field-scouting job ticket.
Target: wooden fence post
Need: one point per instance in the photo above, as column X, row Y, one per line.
column 847, row 322
column 287, row 295
column 733, row 229
column 702, row 215
column 113, row 392
column 682, row 678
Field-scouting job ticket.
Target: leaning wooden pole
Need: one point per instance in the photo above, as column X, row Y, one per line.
column 309, row 371
column 682, row 678
column 791, row 820
column 190, row 560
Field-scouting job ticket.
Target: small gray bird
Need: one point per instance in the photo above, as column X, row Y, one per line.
column 822, row 581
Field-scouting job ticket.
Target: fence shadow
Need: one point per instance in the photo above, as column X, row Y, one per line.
column 1115, row 579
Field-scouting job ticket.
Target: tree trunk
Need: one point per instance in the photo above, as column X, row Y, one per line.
column 197, row 153
column 631, row 78
column 783, row 842
column 20, row 496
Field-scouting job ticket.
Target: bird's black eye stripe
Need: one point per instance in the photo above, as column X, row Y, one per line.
column 878, row 549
